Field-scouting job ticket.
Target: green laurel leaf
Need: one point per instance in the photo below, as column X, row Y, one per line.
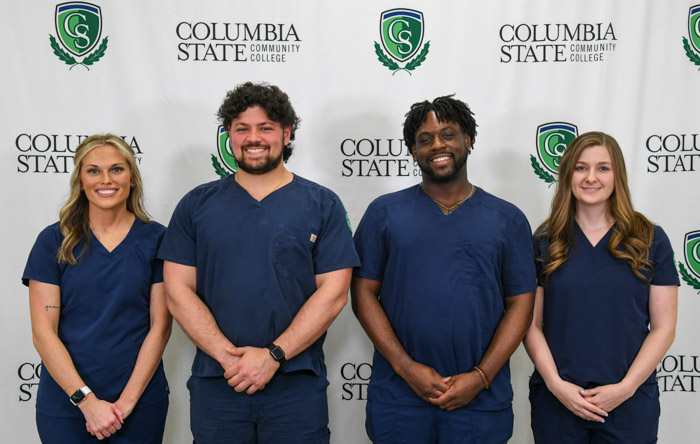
column 416, row 62
column 541, row 172
column 688, row 278
column 97, row 55
column 386, row 61
column 695, row 58
column 218, row 168
column 62, row 55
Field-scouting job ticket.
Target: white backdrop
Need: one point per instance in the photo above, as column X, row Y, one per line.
column 620, row 67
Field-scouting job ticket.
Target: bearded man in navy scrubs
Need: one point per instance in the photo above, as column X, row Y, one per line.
column 445, row 292
column 257, row 266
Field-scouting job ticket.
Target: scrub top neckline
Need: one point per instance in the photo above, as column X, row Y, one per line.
column 603, row 240
column 123, row 241
column 435, row 205
column 266, row 198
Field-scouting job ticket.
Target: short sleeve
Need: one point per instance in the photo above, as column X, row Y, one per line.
column 540, row 251
column 370, row 243
column 180, row 240
column 518, row 275
column 334, row 249
column 42, row 265
column 157, row 274
column 661, row 256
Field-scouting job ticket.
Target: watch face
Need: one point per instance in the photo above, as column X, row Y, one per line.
column 77, row 397
column 277, row 353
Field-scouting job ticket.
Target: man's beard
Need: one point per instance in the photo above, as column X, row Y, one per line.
column 458, row 163
column 265, row 166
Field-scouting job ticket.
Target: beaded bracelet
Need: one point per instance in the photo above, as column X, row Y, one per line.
column 483, row 376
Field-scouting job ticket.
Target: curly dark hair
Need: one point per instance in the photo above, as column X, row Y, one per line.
column 273, row 100
column 446, row 109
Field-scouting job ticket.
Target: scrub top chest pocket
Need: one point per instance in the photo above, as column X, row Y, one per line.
column 478, row 263
column 292, row 254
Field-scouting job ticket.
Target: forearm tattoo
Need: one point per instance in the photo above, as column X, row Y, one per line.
column 52, row 306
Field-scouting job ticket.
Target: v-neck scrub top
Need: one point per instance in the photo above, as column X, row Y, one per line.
column 105, row 312
column 444, row 279
column 596, row 310
column 257, row 261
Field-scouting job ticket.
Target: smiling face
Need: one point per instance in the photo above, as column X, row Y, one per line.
column 593, row 179
column 441, row 149
column 257, row 141
column 105, row 178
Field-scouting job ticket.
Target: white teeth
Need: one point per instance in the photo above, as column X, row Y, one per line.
column 106, row 192
column 440, row 159
column 255, row 150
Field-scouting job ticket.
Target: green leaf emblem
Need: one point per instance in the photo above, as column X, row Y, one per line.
column 694, row 57
column 220, row 170
column 688, row 278
column 62, row 55
column 392, row 65
column 541, row 172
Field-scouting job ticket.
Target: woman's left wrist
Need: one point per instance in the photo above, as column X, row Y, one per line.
column 126, row 403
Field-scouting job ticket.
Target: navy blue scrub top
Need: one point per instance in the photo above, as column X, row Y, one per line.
column 444, row 279
column 596, row 310
column 105, row 312
column 256, row 261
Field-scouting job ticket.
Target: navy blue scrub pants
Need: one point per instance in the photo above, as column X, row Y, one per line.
column 292, row 408
column 427, row 424
column 145, row 425
column 634, row 421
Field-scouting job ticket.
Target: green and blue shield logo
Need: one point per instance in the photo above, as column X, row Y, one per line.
column 691, row 250
column 225, row 154
column 79, row 28
column 552, row 140
column 692, row 43
column 401, row 31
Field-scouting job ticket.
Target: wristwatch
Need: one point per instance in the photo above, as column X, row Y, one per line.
column 277, row 353
column 80, row 394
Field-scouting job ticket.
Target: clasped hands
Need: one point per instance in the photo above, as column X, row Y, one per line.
column 446, row 392
column 591, row 404
column 249, row 369
column 103, row 419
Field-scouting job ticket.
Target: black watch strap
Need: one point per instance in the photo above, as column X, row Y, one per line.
column 277, row 353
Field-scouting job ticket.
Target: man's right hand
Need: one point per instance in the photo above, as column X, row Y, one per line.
column 425, row 381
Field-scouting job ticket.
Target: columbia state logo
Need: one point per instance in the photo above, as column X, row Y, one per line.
column 401, row 31
column 691, row 250
column 552, row 140
column 692, row 43
column 225, row 154
column 79, row 28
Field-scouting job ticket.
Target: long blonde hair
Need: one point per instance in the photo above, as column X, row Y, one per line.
column 632, row 234
column 73, row 217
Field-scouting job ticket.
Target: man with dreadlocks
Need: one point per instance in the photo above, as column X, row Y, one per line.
column 257, row 266
column 445, row 292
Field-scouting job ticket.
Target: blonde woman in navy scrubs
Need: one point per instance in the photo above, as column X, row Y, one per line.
column 605, row 307
column 97, row 305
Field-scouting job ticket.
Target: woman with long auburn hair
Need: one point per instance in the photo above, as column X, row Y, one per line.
column 605, row 305
column 97, row 304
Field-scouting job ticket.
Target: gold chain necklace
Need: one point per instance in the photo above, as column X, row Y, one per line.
column 450, row 210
